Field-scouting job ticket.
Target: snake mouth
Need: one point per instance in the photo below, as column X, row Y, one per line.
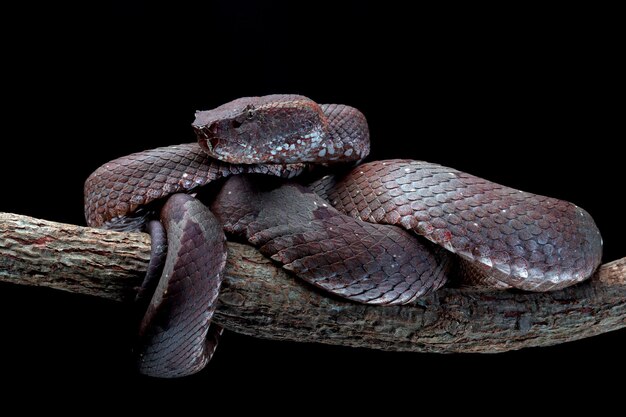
column 212, row 143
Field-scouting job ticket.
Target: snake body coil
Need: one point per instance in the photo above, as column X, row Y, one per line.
column 343, row 233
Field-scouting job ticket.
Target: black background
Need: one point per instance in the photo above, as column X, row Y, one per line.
column 524, row 97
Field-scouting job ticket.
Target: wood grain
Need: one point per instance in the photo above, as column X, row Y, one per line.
column 260, row 299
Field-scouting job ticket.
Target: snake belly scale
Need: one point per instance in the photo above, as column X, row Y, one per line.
column 384, row 232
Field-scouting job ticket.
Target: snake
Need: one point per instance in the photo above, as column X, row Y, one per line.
column 380, row 232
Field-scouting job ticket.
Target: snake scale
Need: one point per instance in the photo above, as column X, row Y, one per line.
column 381, row 232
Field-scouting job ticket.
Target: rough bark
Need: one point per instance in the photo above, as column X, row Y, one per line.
column 260, row 299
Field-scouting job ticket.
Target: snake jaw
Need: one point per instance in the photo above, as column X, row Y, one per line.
column 212, row 143
column 209, row 137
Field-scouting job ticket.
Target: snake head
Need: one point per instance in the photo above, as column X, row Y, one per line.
column 269, row 129
column 218, row 128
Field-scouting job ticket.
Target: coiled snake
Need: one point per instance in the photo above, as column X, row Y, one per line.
column 382, row 232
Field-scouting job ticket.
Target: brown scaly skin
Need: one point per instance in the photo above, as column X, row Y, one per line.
column 118, row 193
column 173, row 338
column 507, row 237
column 368, row 263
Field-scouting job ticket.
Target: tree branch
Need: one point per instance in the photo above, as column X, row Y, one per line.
column 260, row 299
